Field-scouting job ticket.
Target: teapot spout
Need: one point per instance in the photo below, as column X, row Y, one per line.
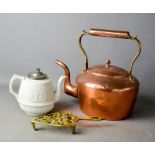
column 58, row 90
column 68, row 87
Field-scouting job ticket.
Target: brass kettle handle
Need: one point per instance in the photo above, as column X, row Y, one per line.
column 112, row 34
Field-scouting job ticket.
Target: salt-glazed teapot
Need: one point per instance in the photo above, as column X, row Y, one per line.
column 104, row 90
column 36, row 95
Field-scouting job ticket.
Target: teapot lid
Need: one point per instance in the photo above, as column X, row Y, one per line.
column 37, row 75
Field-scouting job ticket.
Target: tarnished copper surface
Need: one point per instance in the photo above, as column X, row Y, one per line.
column 104, row 90
column 110, row 95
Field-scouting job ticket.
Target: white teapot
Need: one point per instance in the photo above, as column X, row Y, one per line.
column 36, row 95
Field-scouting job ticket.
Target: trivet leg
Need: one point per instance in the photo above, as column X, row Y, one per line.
column 33, row 126
column 73, row 129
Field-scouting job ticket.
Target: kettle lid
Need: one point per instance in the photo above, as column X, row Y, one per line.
column 108, row 70
column 37, row 75
column 107, row 77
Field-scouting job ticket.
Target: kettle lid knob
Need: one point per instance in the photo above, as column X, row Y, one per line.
column 37, row 75
column 108, row 63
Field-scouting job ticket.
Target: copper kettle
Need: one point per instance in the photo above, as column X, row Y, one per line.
column 104, row 90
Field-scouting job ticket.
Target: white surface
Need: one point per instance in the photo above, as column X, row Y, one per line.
column 16, row 126
column 76, row 6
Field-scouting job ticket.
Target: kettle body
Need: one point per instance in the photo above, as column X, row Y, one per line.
column 110, row 96
column 36, row 97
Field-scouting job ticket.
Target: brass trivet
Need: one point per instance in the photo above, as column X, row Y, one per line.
column 61, row 119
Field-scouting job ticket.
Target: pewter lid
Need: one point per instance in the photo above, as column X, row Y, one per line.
column 37, row 75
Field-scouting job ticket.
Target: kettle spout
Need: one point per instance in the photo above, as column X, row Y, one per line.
column 68, row 87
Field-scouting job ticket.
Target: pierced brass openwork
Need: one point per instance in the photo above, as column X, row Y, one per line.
column 61, row 119
column 112, row 34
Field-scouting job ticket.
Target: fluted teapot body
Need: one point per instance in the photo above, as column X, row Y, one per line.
column 36, row 95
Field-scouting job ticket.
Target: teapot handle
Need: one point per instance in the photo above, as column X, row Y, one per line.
column 14, row 77
column 112, row 34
